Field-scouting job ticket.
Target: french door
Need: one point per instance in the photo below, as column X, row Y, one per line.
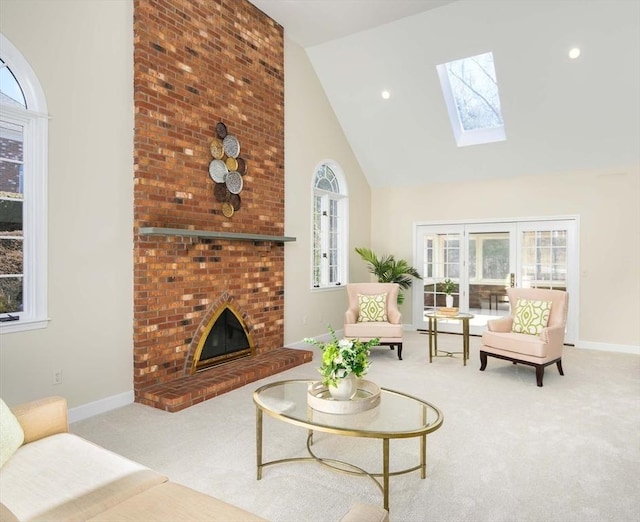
column 483, row 259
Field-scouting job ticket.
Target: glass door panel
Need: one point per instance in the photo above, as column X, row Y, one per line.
column 548, row 258
column 439, row 253
column 544, row 259
column 491, row 271
column 483, row 259
column 491, row 266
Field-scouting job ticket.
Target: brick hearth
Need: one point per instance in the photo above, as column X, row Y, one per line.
column 181, row 393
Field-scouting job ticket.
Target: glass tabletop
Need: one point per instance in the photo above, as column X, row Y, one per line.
column 397, row 416
column 459, row 315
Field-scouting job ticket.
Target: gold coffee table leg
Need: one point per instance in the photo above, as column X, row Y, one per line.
column 465, row 340
column 430, row 338
column 259, row 441
column 385, row 472
column 423, row 448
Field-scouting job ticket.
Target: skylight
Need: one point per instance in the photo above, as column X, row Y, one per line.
column 470, row 90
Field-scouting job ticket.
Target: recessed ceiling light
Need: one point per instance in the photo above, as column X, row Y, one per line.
column 574, row 53
column 386, row 95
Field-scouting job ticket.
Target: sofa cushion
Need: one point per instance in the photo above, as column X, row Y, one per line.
column 6, row 515
column 531, row 316
column 177, row 503
column 372, row 308
column 523, row 344
column 372, row 330
column 64, row 477
column 11, row 434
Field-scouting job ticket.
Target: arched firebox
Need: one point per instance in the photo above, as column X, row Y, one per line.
column 226, row 338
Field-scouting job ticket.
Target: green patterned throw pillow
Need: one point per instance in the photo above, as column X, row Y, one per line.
column 373, row 308
column 531, row 316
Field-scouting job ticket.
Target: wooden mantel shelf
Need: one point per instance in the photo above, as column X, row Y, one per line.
column 159, row 231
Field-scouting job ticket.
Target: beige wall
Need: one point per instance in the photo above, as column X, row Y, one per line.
column 607, row 203
column 312, row 134
column 82, row 53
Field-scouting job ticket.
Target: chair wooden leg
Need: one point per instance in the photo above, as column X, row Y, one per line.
column 400, row 351
column 559, row 365
column 539, row 374
column 483, row 360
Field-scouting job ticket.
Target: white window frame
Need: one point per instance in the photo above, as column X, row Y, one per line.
column 35, row 122
column 342, row 201
column 465, row 137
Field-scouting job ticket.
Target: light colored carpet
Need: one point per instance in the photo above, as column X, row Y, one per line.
column 507, row 451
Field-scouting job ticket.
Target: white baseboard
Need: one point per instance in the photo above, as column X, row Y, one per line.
column 101, row 406
column 608, row 347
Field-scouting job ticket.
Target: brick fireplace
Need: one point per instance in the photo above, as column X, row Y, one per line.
column 198, row 63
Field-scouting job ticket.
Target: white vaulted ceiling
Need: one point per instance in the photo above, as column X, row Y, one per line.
column 560, row 114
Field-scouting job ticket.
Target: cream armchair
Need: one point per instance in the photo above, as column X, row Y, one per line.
column 364, row 324
column 539, row 350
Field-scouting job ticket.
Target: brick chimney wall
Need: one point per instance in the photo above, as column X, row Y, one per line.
column 196, row 63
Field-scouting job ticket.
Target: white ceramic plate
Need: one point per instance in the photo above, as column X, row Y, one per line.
column 231, row 146
column 234, row 182
column 218, row 171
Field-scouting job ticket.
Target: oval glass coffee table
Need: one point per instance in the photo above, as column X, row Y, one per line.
column 398, row 416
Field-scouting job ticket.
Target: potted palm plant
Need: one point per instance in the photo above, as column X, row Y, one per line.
column 388, row 269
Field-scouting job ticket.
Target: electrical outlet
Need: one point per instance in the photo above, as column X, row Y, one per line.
column 57, row 376
column 304, row 320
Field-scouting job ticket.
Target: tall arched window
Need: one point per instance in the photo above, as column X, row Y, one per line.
column 23, row 194
column 330, row 225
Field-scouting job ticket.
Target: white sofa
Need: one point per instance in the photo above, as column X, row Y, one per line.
column 50, row 474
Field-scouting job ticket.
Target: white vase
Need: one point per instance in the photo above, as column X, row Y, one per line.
column 449, row 301
column 345, row 389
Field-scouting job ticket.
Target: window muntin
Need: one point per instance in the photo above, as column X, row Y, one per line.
column 470, row 89
column 329, row 228
column 23, row 189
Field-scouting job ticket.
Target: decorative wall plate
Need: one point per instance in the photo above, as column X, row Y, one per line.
column 227, row 209
column 235, row 201
column 221, row 130
column 232, row 163
column 221, row 192
column 234, row 182
column 242, row 166
column 231, row 146
column 217, row 150
column 218, row 171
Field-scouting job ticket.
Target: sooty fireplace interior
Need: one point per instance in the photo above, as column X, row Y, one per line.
column 226, row 340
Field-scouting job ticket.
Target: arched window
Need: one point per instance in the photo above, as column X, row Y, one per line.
column 330, row 220
column 23, row 194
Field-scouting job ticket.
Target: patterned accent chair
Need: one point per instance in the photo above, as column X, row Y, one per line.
column 538, row 350
column 364, row 324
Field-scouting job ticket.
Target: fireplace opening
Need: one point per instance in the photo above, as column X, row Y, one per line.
column 227, row 339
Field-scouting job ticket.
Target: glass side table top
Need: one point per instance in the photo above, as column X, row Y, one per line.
column 397, row 416
column 459, row 315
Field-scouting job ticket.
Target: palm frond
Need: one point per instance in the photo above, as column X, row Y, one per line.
column 389, row 270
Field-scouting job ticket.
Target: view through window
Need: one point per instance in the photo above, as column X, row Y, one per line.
column 470, row 89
